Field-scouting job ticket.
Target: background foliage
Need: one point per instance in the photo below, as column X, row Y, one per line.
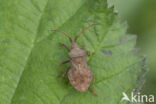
column 141, row 16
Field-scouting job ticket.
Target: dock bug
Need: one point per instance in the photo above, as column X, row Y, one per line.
column 79, row 73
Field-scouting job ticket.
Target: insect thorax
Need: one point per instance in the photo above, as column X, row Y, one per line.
column 77, row 52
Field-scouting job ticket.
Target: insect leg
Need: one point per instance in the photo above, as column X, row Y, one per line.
column 62, row 44
column 63, row 75
column 92, row 88
column 64, row 62
column 89, row 53
column 92, row 91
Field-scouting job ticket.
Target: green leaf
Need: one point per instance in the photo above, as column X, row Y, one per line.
column 30, row 54
column 127, row 8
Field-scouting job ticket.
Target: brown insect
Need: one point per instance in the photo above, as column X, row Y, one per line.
column 79, row 73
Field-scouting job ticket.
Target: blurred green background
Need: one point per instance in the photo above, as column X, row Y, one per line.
column 141, row 18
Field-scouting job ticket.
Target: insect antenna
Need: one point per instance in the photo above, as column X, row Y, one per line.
column 64, row 34
column 78, row 35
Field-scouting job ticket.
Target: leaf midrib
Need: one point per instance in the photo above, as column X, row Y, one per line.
column 41, row 16
column 29, row 52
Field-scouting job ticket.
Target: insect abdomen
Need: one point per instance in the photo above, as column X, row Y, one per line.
column 80, row 79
